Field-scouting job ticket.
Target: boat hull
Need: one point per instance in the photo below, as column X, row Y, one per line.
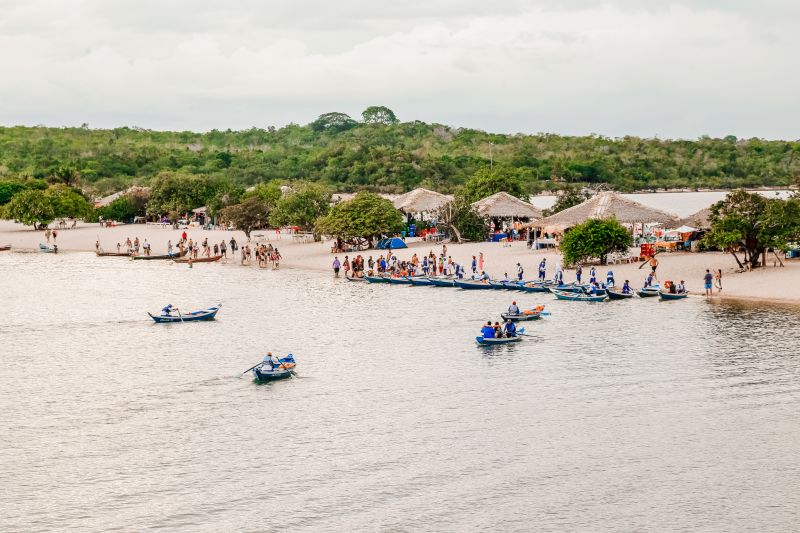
column 442, row 282
column 198, row 260
column 263, row 373
column 648, row 293
column 614, row 295
column 472, row 285
column 375, row 279
column 196, row 316
column 670, row 296
column 522, row 317
column 421, row 282
column 112, row 254
column 497, row 342
column 578, row 297
column 352, row 278
column 398, row 281
column 158, row 257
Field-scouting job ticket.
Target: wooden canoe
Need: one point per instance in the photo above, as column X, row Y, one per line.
column 198, row 260
column 157, row 257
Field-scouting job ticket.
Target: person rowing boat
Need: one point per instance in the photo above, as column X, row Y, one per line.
column 510, row 328
column 513, row 309
column 167, row 310
column 626, row 288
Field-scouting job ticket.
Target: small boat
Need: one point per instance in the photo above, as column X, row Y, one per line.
column 579, row 297
column 503, row 340
column 45, row 249
column 195, row 316
column 375, row 279
column 354, row 278
column 471, row 284
column 98, row 253
column 510, row 285
column 648, row 292
column 198, row 260
column 443, row 281
column 181, row 253
column 5, row 248
column 265, row 372
column 421, row 281
column 615, row 295
column 535, row 286
column 398, row 281
column 673, row 296
column 524, row 315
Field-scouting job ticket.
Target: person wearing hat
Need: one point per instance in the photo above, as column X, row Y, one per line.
column 513, row 309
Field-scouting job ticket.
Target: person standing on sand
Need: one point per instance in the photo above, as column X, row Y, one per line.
column 718, row 280
column 223, row 248
column 578, row 274
column 47, row 234
column 55, row 235
column 707, row 279
column 520, row 272
column 480, row 261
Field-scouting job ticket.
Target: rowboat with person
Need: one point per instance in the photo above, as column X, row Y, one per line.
column 171, row 314
column 273, row 368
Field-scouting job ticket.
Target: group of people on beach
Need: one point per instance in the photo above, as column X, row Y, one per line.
column 266, row 255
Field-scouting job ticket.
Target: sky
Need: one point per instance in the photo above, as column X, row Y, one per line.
column 574, row 67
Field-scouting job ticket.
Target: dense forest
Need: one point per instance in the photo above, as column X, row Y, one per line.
column 379, row 153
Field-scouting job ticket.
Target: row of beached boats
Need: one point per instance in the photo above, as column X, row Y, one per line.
column 179, row 257
column 568, row 291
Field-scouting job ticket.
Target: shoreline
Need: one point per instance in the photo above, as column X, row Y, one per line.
column 770, row 285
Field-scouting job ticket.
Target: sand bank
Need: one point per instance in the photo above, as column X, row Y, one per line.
column 780, row 285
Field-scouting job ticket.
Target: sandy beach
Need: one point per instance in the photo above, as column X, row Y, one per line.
column 779, row 285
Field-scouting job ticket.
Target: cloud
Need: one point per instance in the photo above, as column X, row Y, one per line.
column 614, row 68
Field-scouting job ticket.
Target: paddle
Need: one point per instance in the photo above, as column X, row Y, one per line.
column 251, row 368
column 179, row 314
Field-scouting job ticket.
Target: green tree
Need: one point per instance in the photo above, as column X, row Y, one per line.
column 251, row 213
column 67, row 202
column 366, row 216
column 8, row 188
column 30, row 207
column 302, row 206
column 377, row 114
column 486, row 182
column 333, row 123
column 595, row 238
column 269, row 192
column 566, row 198
column 464, row 223
column 177, row 193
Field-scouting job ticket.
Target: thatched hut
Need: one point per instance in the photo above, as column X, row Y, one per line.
column 604, row 205
column 420, row 201
column 700, row 220
column 503, row 205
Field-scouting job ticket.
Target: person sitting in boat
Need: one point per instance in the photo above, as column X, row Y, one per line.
column 505, row 277
column 513, row 309
column 484, row 277
column 681, row 289
column 488, row 331
column 498, row 330
column 167, row 311
column 671, row 287
column 272, row 360
column 510, row 329
column 626, row 288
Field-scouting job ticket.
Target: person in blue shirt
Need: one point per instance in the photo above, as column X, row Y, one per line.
column 425, row 265
column 578, row 273
column 592, row 276
column 488, row 331
column 626, row 288
column 167, row 311
column 510, row 328
column 484, row 276
column 610, row 278
column 542, row 269
column 474, row 265
column 520, row 271
column 513, row 309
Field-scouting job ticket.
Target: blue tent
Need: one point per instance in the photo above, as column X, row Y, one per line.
column 393, row 243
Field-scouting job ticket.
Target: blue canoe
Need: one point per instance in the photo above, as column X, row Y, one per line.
column 399, row 281
column 579, row 297
column 265, row 371
column 375, row 279
column 442, row 282
column 535, row 286
column 524, row 315
column 45, row 249
column 195, row 316
column 510, row 285
column 471, row 284
column 419, row 281
column 505, row 340
column 671, row 296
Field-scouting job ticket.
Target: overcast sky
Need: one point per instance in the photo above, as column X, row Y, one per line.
column 616, row 67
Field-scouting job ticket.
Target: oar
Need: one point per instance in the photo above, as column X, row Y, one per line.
column 179, row 314
column 251, row 368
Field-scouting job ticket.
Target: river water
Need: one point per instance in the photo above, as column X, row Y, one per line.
column 636, row 415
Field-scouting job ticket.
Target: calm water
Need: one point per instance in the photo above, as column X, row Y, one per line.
column 639, row 415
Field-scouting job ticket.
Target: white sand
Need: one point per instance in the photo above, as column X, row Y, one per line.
column 781, row 285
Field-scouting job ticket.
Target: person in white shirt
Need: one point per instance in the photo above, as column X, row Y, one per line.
column 513, row 309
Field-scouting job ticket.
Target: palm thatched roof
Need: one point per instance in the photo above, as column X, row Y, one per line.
column 700, row 220
column 503, row 205
column 605, row 205
column 420, row 201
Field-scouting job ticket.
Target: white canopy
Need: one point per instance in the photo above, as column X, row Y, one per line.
column 683, row 229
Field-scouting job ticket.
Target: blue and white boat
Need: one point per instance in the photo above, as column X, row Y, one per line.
column 45, row 249
column 503, row 340
column 267, row 372
column 194, row 316
column 472, row 284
